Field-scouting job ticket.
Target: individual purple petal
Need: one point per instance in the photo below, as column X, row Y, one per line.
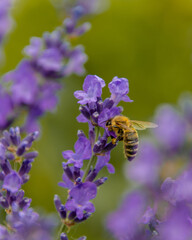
column 12, row 182
column 119, row 88
column 92, row 89
column 103, row 161
column 83, row 192
column 171, row 131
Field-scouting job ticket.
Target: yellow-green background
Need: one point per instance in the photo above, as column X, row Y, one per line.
column 147, row 41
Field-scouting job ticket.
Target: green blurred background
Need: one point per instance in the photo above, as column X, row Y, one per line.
column 147, row 41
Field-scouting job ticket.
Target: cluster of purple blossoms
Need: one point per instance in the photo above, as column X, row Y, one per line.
column 163, row 170
column 35, row 82
column 15, row 163
column 82, row 184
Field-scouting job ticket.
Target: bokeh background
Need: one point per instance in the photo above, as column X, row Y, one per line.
column 147, row 41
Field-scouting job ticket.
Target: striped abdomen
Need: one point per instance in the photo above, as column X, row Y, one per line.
column 131, row 142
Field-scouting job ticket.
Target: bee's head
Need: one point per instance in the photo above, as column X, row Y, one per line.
column 108, row 123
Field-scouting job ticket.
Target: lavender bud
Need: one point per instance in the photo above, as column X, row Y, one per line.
column 20, row 195
column 80, row 133
column 76, row 172
column 95, row 117
column 25, row 178
column 109, row 147
column 62, row 211
column 97, row 147
column 57, row 202
column 21, row 148
column 108, row 103
column 69, row 25
column 15, row 136
column 5, row 142
column 91, row 176
column 72, row 215
column 25, row 167
column 6, row 135
column 84, row 111
column 4, row 203
column 82, row 238
column 63, row 236
column 100, row 181
column 68, row 172
column 25, row 203
column 6, row 167
column 99, row 106
column 30, row 155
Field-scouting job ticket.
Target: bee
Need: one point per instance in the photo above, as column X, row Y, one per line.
column 126, row 131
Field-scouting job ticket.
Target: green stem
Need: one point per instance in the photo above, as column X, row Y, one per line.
column 92, row 158
column 62, row 229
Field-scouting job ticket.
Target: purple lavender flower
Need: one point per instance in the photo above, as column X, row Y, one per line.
column 119, row 88
column 92, row 90
column 82, row 151
column 14, row 151
column 80, row 196
column 25, row 84
column 178, row 225
column 172, row 129
column 27, row 224
column 34, row 83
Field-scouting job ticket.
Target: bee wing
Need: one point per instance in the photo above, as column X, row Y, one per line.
column 140, row 125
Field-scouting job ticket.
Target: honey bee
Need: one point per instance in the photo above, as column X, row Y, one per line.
column 126, row 131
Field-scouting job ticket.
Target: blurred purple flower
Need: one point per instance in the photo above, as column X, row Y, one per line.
column 125, row 222
column 175, row 191
column 145, row 168
column 171, row 131
column 12, row 182
column 25, row 84
column 27, row 224
column 79, row 198
column 178, row 224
